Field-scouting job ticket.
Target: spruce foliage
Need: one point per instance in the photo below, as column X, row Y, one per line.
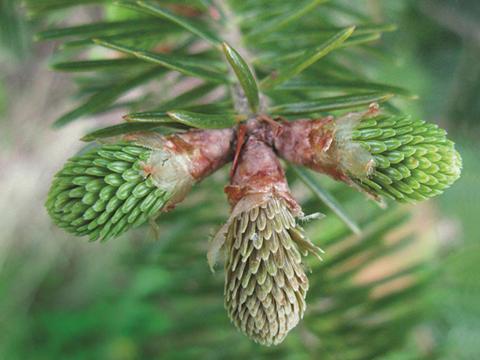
column 287, row 59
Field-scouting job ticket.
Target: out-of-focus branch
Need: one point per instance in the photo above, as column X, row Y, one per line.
column 450, row 18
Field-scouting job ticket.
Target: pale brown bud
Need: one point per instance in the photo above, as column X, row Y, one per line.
column 265, row 282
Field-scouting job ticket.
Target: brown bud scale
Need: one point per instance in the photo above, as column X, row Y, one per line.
column 206, row 150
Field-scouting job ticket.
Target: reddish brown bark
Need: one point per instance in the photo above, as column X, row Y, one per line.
column 254, row 148
column 311, row 143
column 259, row 172
column 208, row 150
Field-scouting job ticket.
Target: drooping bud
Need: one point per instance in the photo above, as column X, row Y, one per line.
column 394, row 156
column 265, row 282
column 114, row 187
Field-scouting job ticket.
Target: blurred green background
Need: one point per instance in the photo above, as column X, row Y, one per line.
column 141, row 298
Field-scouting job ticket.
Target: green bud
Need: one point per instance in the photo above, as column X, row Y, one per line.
column 112, row 188
column 411, row 160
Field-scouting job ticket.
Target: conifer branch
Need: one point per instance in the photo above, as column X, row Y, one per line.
column 146, row 166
